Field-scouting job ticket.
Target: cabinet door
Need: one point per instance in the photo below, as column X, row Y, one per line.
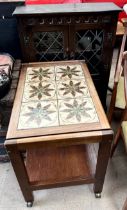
column 88, row 46
column 94, row 44
column 47, row 43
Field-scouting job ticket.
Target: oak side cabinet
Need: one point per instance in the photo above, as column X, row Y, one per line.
column 84, row 31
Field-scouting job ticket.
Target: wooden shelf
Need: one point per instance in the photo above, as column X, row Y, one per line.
column 60, row 166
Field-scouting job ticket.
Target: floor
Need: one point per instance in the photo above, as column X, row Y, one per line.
column 71, row 198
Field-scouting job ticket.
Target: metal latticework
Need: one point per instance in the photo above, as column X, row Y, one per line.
column 49, row 46
column 89, row 44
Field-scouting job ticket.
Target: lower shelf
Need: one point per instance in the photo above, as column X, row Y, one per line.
column 60, row 166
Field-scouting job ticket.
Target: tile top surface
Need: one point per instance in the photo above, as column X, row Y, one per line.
column 56, row 96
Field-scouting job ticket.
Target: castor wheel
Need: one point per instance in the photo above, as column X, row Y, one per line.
column 29, row 204
column 97, row 195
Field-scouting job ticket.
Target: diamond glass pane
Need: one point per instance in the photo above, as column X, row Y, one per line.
column 49, row 46
column 89, row 44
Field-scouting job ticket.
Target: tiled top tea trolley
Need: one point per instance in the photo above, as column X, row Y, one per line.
column 56, row 117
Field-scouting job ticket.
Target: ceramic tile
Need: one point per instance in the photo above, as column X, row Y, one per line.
column 73, row 111
column 38, row 114
column 39, row 91
column 69, row 72
column 72, row 89
column 40, row 73
column 69, row 84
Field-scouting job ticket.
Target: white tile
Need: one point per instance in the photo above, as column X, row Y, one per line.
column 40, row 74
column 72, row 89
column 36, row 91
column 75, row 111
column 38, row 115
column 69, row 72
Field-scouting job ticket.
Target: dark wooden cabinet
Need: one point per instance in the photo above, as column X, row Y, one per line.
column 71, row 31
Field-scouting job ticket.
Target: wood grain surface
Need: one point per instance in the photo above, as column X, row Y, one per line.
column 13, row 132
column 60, row 165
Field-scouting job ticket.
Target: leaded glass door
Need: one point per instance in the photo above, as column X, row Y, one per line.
column 88, row 46
column 50, row 43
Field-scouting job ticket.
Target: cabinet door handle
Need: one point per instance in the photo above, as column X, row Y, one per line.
column 26, row 40
column 65, row 56
column 72, row 55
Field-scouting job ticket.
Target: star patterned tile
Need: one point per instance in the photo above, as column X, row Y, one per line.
column 75, row 111
column 69, row 72
column 55, row 96
column 39, row 91
column 38, row 114
column 72, row 89
column 40, row 73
